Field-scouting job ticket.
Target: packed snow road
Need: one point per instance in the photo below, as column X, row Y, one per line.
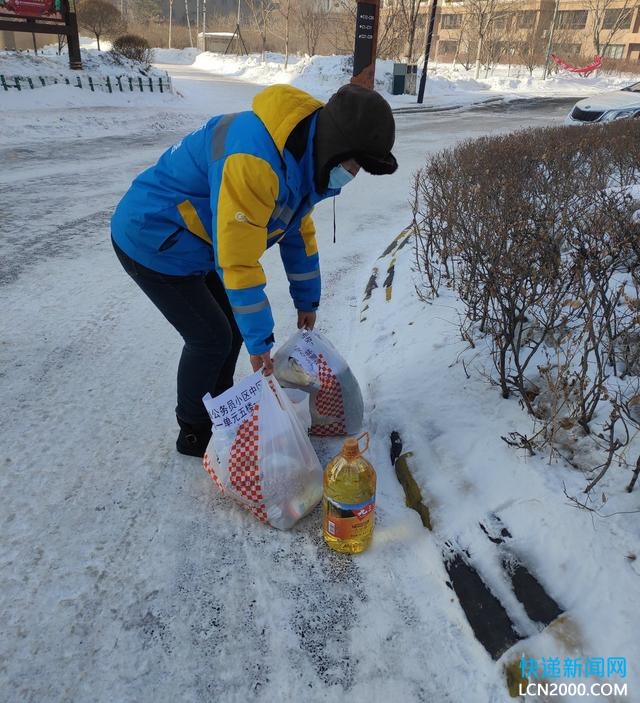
column 124, row 576
column 70, row 185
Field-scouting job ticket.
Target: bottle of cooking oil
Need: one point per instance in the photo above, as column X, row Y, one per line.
column 349, row 500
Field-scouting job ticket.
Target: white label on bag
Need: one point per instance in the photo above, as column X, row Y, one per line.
column 234, row 406
column 304, row 353
column 307, row 359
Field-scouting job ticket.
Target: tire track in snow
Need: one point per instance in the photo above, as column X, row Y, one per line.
column 22, row 250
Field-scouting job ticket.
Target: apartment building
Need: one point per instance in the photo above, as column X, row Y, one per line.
column 521, row 30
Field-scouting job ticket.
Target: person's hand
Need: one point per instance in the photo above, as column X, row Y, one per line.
column 306, row 320
column 262, row 361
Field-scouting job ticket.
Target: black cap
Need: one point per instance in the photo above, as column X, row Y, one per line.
column 355, row 123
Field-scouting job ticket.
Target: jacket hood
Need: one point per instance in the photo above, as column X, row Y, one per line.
column 281, row 108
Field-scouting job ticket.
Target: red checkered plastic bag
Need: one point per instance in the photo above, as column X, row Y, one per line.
column 260, row 454
column 308, row 361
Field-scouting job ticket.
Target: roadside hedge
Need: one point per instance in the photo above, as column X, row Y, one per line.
column 538, row 234
column 134, row 48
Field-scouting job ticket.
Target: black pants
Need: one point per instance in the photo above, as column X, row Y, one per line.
column 199, row 309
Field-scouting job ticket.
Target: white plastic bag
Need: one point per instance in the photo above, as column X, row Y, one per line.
column 300, row 401
column 260, row 454
column 309, row 362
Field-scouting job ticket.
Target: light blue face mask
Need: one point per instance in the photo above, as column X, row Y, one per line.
column 339, row 177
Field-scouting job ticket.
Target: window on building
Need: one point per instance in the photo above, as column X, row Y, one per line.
column 451, row 21
column 447, row 47
column 572, row 19
column 614, row 51
column 526, row 19
column 619, row 18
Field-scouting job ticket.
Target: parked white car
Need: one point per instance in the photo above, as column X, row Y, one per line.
column 607, row 107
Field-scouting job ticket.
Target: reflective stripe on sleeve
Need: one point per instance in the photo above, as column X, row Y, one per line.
column 303, row 276
column 247, row 309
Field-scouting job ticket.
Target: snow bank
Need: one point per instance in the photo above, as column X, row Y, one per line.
column 322, row 75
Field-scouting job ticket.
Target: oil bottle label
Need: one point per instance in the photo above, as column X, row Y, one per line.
column 347, row 521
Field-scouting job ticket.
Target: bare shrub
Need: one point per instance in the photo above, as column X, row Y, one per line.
column 536, row 233
column 134, row 48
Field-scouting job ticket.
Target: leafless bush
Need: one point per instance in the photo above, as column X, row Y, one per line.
column 134, row 48
column 619, row 66
column 627, row 404
column 538, row 236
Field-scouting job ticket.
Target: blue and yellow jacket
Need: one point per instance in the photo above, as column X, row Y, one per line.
column 223, row 195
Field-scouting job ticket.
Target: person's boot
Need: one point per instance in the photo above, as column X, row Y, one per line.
column 193, row 439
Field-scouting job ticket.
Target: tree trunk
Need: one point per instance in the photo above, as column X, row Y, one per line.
column 412, row 38
column 286, row 35
column 478, row 53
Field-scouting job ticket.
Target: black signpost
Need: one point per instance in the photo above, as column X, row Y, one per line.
column 39, row 18
column 364, row 53
column 427, row 50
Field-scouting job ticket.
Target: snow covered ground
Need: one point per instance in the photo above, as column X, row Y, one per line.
column 125, row 577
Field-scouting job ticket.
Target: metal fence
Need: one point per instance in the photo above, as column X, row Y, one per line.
column 108, row 84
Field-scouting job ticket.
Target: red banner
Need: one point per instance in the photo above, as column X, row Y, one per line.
column 45, row 9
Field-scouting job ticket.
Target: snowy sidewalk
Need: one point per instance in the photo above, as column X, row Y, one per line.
column 126, row 577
